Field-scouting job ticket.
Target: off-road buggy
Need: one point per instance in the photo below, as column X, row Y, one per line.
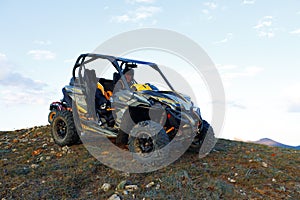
column 144, row 116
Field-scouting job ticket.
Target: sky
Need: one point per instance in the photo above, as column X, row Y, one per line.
column 254, row 44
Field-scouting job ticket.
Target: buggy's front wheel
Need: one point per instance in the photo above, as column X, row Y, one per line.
column 63, row 129
column 147, row 136
column 204, row 142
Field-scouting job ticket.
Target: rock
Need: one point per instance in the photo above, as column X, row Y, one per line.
column 105, row 153
column 126, row 174
column 22, row 171
column 185, row 178
column 231, row 180
column 24, row 140
column 8, row 146
column 224, row 188
column 36, row 152
column 65, row 149
column 114, row 197
column 14, row 188
column 37, row 134
column 15, row 141
column 121, row 185
column 25, row 135
column 243, row 193
column 219, row 187
column 157, row 186
column 34, row 166
column 282, row 189
column 264, row 164
column 58, row 155
column 131, row 188
column 40, row 159
column 149, row 185
column 52, row 151
column 105, row 187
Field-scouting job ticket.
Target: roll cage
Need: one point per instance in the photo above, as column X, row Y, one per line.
column 117, row 62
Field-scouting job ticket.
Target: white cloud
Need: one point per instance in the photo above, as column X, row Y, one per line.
column 19, row 89
column 252, row 71
column 17, row 97
column 231, row 72
column 211, row 5
column 226, row 39
column 247, row 2
column 140, row 1
column 16, row 88
column 226, row 67
column 2, row 57
column 4, row 66
column 141, row 13
column 268, row 34
column 235, row 104
column 265, row 27
column 42, row 42
column 17, row 80
column 295, row 32
column 12, row 78
column 210, row 8
column 3, row 72
column 265, row 22
column 41, row 54
column 205, row 11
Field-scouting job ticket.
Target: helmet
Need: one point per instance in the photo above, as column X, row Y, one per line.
column 128, row 71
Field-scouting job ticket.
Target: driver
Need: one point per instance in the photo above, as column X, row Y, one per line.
column 129, row 74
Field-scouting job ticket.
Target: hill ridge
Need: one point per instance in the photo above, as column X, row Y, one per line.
column 33, row 167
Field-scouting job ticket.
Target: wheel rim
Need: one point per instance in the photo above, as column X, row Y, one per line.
column 144, row 143
column 61, row 128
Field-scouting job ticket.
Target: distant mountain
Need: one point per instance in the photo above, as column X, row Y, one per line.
column 269, row 142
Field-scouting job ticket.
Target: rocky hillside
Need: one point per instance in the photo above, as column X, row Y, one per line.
column 33, row 167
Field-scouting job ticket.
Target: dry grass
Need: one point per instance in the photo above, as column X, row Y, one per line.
column 33, row 167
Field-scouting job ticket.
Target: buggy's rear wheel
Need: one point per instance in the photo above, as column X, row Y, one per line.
column 63, row 129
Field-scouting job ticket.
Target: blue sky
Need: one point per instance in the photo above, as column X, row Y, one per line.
column 255, row 45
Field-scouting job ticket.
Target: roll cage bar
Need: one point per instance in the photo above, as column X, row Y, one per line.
column 89, row 57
